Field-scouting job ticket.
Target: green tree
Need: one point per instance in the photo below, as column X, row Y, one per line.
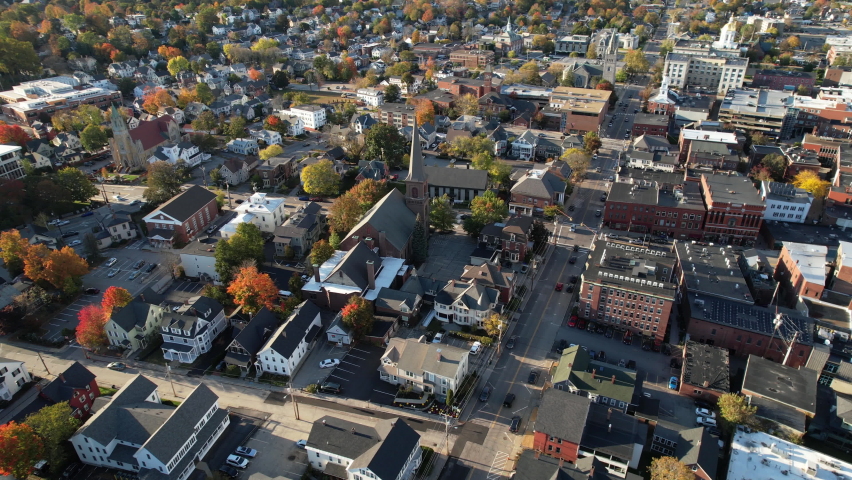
column 493, row 324
column 488, row 208
column 758, row 138
column 216, row 177
column 205, row 95
column 321, row 252
column 54, row 424
column 75, row 182
column 385, row 142
column 163, row 183
column 237, row 127
column 591, row 142
column 18, row 58
column 391, row 94
column 246, row 245
column 205, row 121
column 93, row 137
column 579, row 162
column 177, row 64
column 669, row 468
column 448, row 400
column 621, row 76
column 551, row 211
column 735, row 410
column 334, row 240
column 776, row 164
column 320, row 178
column 539, row 235
column 419, row 244
column 635, row 62
column 441, row 215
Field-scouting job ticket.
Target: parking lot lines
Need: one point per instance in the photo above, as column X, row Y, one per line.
column 496, row 470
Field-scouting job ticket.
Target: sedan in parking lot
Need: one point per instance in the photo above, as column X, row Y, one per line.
column 75, row 243
column 673, row 383
column 302, row 443
column 113, row 272
column 246, row 452
column 703, row 412
column 134, row 275
column 329, row 363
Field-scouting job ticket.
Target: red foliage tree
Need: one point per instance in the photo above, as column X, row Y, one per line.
column 20, row 449
column 253, row 290
column 14, row 134
column 90, row 331
column 255, row 74
column 168, row 52
column 605, row 85
column 318, row 10
column 115, row 297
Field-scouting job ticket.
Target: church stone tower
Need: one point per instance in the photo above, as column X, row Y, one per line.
column 121, row 143
column 610, row 58
column 416, row 186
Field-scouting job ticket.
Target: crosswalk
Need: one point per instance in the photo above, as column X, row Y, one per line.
column 496, row 470
column 137, row 245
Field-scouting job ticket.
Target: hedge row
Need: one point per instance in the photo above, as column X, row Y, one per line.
column 486, row 341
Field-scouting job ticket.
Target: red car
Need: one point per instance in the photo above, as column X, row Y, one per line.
column 581, row 324
column 559, row 287
column 572, row 322
column 628, row 338
column 316, row 199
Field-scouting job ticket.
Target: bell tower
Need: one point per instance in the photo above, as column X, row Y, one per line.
column 416, row 186
column 121, row 142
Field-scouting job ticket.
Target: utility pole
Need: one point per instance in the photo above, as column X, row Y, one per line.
column 169, row 373
column 42, row 362
column 295, row 404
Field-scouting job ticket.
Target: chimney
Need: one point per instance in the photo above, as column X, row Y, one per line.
column 62, row 377
column 613, row 379
column 438, row 355
column 537, row 453
column 323, row 421
column 353, row 430
column 371, row 275
column 316, row 272
column 593, row 373
column 706, row 384
column 609, row 428
column 381, row 239
column 561, row 462
column 608, row 413
column 142, row 296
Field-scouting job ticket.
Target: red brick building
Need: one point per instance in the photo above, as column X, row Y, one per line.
column 779, row 79
column 687, row 135
column 630, row 288
column 734, row 209
column 472, row 58
column 511, row 238
column 462, row 86
column 715, row 155
column 182, row 218
column 561, row 421
column 748, row 329
column 651, row 124
column 801, row 269
column 706, row 372
column 76, row 385
column 676, row 212
column 813, row 112
column 396, row 114
column 577, row 110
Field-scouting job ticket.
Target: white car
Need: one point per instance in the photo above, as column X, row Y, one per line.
column 703, row 412
column 75, row 243
column 54, row 222
column 302, row 443
column 475, row 348
column 329, row 363
column 707, row 422
column 284, row 293
column 113, row 272
column 439, row 337
column 237, row 461
column 63, row 223
column 246, row 452
column 111, row 262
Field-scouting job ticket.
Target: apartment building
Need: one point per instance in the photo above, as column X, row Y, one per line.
column 706, row 373
column 734, row 209
column 784, row 202
column 751, row 110
column 10, row 162
column 801, row 269
column 781, row 79
column 372, row 97
column 806, row 113
column 473, row 59
column 434, row 368
column 656, row 208
column 714, row 155
column 719, row 74
column 190, row 331
column 397, row 114
column 577, row 110
column 313, row 116
column 629, row 287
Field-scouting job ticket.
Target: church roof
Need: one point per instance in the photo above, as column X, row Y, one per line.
column 152, row 133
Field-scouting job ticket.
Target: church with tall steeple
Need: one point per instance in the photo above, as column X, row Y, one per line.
column 132, row 148
column 506, row 41
column 416, row 185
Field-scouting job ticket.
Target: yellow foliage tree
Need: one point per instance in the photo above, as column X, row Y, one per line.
column 810, row 181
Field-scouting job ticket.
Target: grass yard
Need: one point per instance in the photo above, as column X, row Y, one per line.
column 319, row 97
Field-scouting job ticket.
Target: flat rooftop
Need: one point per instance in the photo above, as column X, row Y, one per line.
column 712, row 270
column 709, row 136
column 749, row 317
column 810, row 259
column 765, row 457
column 632, row 267
column 793, row 387
column 733, row 189
column 768, row 103
column 629, row 175
column 707, row 364
column 613, row 433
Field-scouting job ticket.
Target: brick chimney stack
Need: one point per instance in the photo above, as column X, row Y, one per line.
column 316, row 272
column 613, row 379
column 593, row 373
column 371, row 275
column 62, row 377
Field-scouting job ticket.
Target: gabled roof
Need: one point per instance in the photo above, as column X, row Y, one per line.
column 352, row 269
column 488, row 274
column 289, row 335
column 473, row 295
column 152, row 133
column 137, row 312
column 253, row 335
column 61, row 388
column 562, row 414
column 184, row 206
column 180, row 425
column 456, row 177
column 413, row 356
column 539, row 185
column 127, row 416
column 396, row 299
column 578, row 368
column 392, row 216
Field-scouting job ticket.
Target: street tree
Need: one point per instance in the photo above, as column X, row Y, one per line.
column 253, row 290
column 163, row 182
column 591, row 142
column 636, row 62
column 488, row 208
column 93, row 138
column 90, row 330
column 321, row 252
column 811, row 182
column 358, row 316
column 385, row 143
column 419, row 244
column 177, row 64
column 20, row 449
column 493, row 324
column 115, row 297
column 54, row 425
column 441, row 215
column 579, row 162
column 344, row 214
column 670, row 468
column 539, row 234
column 758, row 138
column 73, row 180
column 735, row 410
column 246, row 245
column 13, row 250
column 270, row 151
column 321, row 179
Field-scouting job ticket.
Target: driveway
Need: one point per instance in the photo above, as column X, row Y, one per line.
column 358, row 376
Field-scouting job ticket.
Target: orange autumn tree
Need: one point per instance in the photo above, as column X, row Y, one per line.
column 169, row 52
column 60, row 268
column 90, row 331
column 358, row 316
column 424, row 111
column 254, row 74
column 115, row 297
column 20, row 449
column 253, row 290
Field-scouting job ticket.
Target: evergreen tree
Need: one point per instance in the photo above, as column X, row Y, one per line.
column 421, row 248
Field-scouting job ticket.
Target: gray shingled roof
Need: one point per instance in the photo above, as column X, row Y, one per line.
column 352, row 269
column 174, row 433
column 137, row 312
column 457, row 177
column 413, row 356
column 395, row 299
column 562, row 414
column 253, row 335
column 540, row 187
column 61, row 388
column 127, row 416
column 387, row 458
column 473, row 295
column 183, row 206
column 288, row 336
column 392, row 216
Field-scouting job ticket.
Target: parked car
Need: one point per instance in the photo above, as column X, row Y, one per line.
column 304, row 198
column 316, row 199
column 703, row 412
column 571, row 208
column 246, row 452
column 609, row 332
column 559, row 286
column 570, row 288
column 572, row 322
column 673, row 382
column 87, row 214
column 561, row 346
column 510, row 398
column 113, row 272
column 597, row 213
column 602, row 355
column 75, row 243
column 302, row 443
column 134, row 275
column 476, row 348
column 330, row 387
column 631, row 364
column 151, row 267
column 72, row 233
column 622, row 363
column 237, row 461
column 116, row 366
column 229, row 471
column 70, row 470
column 516, row 424
column 111, row 262
column 485, row 394
column 533, row 378
column 707, row 422
column 329, row 363
column 92, row 291
column 581, row 324
column 439, row 337
column 510, row 344
column 702, row 404
column 572, row 279
column 138, row 265
column 573, row 259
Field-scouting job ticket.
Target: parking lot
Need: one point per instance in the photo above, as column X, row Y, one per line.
column 67, row 318
column 358, row 376
column 278, row 456
column 448, row 255
column 244, row 423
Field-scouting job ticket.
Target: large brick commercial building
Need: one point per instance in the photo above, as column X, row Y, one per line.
column 734, row 209
column 578, row 110
column 676, row 212
column 629, row 287
column 778, row 79
column 801, row 269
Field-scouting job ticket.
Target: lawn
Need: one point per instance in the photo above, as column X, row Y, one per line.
column 324, row 97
